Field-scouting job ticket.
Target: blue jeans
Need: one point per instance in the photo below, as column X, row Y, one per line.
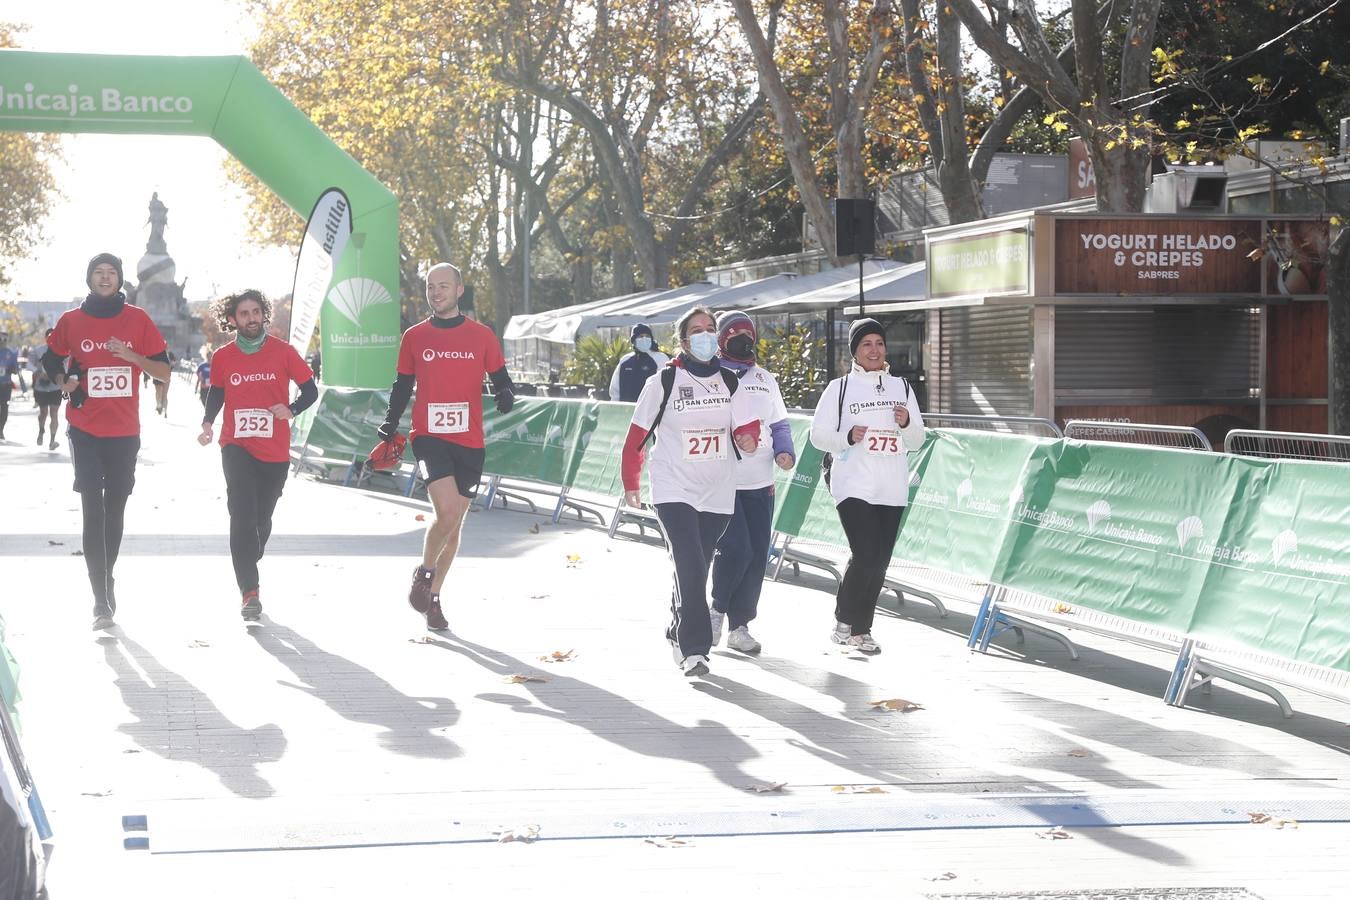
column 742, row 554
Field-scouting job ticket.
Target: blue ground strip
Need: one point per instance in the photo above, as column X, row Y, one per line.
column 177, row 829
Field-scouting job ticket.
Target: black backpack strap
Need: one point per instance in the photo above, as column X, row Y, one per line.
column 843, row 386
column 667, row 385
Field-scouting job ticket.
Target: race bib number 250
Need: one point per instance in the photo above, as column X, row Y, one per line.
column 110, row 381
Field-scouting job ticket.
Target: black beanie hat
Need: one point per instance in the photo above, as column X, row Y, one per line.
column 640, row 329
column 860, row 329
column 100, row 260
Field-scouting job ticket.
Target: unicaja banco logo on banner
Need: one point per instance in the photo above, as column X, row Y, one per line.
column 351, row 299
column 1098, row 512
column 1188, row 528
column 72, row 102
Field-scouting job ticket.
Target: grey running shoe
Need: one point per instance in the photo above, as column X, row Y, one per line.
column 419, row 597
column 251, row 610
column 741, row 639
column 718, row 621
column 841, row 633
column 102, row 618
column 435, row 618
column 694, row 666
column 863, row 643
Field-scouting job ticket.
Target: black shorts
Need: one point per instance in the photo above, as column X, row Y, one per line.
column 47, row 399
column 103, row 463
column 439, row 459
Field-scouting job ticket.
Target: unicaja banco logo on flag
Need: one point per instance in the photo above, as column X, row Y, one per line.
column 1187, row 528
column 1015, row 497
column 356, row 295
column 1285, row 543
column 1098, row 512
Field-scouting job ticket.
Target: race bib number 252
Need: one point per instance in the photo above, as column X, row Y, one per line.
column 253, row 423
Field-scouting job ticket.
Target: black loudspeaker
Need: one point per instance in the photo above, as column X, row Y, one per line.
column 854, row 226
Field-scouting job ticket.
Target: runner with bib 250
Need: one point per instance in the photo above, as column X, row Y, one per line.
column 445, row 357
column 251, row 379
column 108, row 343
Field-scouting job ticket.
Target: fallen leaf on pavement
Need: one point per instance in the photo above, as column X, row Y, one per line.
column 1259, row 818
column 945, row 876
column 95, row 793
column 51, row 543
column 419, row 518
column 534, row 529
column 199, row 643
column 775, row 788
column 558, row 656
column 1280, row 823
column 1055, row 834
column 523, row 834
column 573, row 559
column 667, row 842
column 1079, row 753
column 425, row 639
column 857, row 789
column 1064, row 609
column 77, row 553
column 896, row 704
column 538, row 596
column 521, row 678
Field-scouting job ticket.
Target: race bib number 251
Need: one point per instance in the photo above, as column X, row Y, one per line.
column 447, row 418
column 110, row 381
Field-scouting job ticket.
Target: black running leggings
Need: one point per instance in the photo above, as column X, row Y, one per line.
column 104, row 519
column 871, row 530
column 252, row 489
column 5, row 393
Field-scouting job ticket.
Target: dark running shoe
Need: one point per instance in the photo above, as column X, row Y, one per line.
column 103, row 617
column 419, row 596
column 436, row 618
column 251, row 609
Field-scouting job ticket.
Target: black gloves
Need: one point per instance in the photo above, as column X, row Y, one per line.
column 505, row 400
column 387, row 431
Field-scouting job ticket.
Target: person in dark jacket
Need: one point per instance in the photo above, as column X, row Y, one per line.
column 632, row 372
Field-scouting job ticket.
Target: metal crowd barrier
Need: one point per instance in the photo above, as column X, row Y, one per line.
column 1182, row 437
column 1287, row 445
column 1036, row 427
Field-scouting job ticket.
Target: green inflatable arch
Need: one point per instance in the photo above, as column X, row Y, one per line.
column 226, row 98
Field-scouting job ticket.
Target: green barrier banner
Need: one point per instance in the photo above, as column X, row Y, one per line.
column 539, row 438
column 226, row 98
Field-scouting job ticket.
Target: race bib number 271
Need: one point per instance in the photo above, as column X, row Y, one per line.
column 704, row 444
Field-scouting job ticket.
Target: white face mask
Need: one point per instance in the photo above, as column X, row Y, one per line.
column 643, row 344
column 703, row 345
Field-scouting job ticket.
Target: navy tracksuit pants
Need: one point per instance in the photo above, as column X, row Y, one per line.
column 691, row 536
column 742, row 554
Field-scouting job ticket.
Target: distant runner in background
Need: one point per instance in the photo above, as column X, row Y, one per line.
column 47, row 397
column 633, row 370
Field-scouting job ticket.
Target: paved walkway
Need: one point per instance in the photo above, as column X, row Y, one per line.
column 394, row 755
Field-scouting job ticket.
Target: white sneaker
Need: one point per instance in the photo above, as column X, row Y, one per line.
column 694, row 666
column 863, row 643
column 718, row 621
column 841, row 633
column 740, row 639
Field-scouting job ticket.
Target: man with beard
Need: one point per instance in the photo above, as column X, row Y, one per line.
column 251, row 379
column 109, row 343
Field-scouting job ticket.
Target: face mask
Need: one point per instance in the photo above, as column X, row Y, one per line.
column 643, row 344
column 703, row 345
column 741, row 346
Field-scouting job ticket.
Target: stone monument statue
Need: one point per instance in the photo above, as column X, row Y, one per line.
column 157, row 292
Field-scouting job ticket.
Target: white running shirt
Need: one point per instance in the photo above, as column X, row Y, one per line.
column 875, row 469
column 693, row 460
column 766, row 404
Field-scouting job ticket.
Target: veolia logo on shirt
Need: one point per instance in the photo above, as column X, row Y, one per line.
column 238, row 378
column 429, row 355
column 89, row 346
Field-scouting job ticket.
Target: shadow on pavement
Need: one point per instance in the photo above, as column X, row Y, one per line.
column 614, row 718
column 359, row 695
column 177, row 721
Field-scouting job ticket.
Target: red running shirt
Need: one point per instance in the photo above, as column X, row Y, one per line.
column 253, row 384
column 448, row 365
column 113, row 385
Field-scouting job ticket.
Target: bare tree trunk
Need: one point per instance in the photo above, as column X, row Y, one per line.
column 796, row 147
column 954, row 180
column 1338, row 335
